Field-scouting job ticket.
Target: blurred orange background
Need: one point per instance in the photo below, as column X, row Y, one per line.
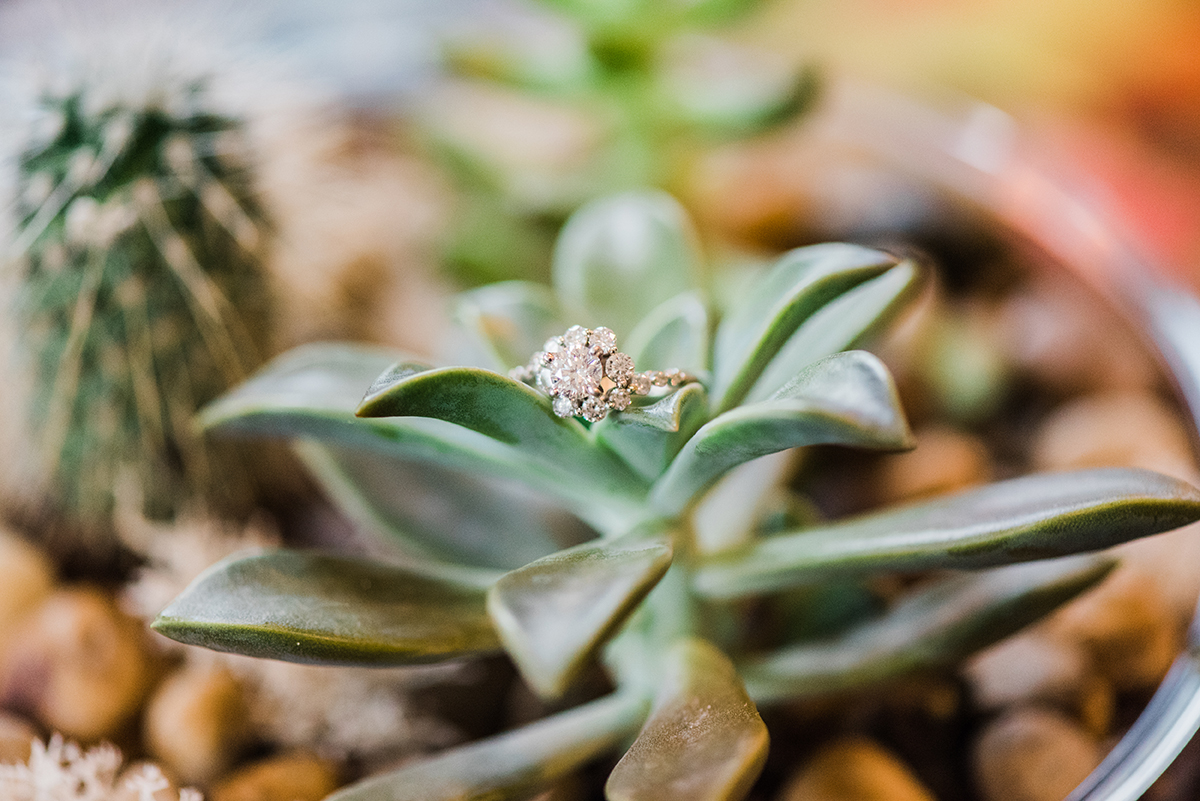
column 1111, row 88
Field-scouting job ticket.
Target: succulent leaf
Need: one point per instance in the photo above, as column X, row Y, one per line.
column 322, row 377
column 704, row 740
column 320, row 609
column 514, row 765
column 1033, row 517
column 738, row 105
column 312, row 392
column 933, row 628
column 729, row 514
column 504, row 410
column 802, row 281
column 843, row 323
column 511, row 319
column 553, row 614
column 620, row 257
column 442, row 516
column 846, row 399
column 649, row 437
column 673, row 334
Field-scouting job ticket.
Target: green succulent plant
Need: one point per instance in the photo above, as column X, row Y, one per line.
column 461, row 468
column 137, row 226
column 654, row 85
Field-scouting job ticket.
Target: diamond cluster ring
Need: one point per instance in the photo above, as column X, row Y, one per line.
column 587, row 376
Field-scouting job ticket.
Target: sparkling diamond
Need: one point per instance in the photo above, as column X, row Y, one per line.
column 594, row 410
column 576, row 335
column 553, row 345
column 659, row 379
column 565, row 407
column 640, row 385
column 576, row 373
column 543, row 358
column 620, row 368
column 603, row 340
column 619, row 399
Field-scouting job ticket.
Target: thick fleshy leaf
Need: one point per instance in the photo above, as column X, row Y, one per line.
column 744, row 102
column 934, row 628
column 325, row 377
column 1034, row 517
column 845, row 399
column 433, row 513
column 308, row 607
column 729, row 515
column 704, row 740
column 841, row 324
column 675, row 334
column 513, row 765
column 553, row 614
column 619, row 257
column 504, row 410
column 312, row 392
column 801, row 282
column 649, row 437
column 511, row 319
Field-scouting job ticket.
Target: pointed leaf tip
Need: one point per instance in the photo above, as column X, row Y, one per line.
column 320, row 609
column 846, row 399
column 932, row 628
column 554, row 613
column 704, row 740
column 619, row 257
column 1019, row 520
column 802, row 282
column 513, row 765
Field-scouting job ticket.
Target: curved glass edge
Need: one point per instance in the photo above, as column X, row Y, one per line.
column 976, row 152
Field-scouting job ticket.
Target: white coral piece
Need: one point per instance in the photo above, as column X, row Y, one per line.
column 61, row 770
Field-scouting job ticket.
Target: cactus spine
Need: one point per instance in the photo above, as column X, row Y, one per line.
column 140, row 248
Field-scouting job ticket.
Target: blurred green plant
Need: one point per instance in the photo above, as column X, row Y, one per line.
column 139, row 251
column 687, row 533
column 617, row 96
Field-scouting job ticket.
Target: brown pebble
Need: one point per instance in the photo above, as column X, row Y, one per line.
column 79, row 665
column 16, row 739
column 1123, row 623
column 293, row 777
column 1069, row 342
column 1032, row 754
column 944, row 460
column 1115, row 429
column 1027, row 668
column 1097, row 705
column 195, row 722
column 26, row 579
column 1036, row 667
column 854, row 769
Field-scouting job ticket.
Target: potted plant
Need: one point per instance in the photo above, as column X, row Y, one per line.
column 662, row 596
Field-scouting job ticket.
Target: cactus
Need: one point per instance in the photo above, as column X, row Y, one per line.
column 682, row 542
column 137, row 232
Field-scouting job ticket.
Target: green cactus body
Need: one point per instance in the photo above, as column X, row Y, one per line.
column 683, row 541
column 138, row 230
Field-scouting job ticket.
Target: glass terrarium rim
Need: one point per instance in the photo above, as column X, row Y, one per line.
column 977, row 153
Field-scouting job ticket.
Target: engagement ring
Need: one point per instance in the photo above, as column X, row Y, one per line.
column 588, row 377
